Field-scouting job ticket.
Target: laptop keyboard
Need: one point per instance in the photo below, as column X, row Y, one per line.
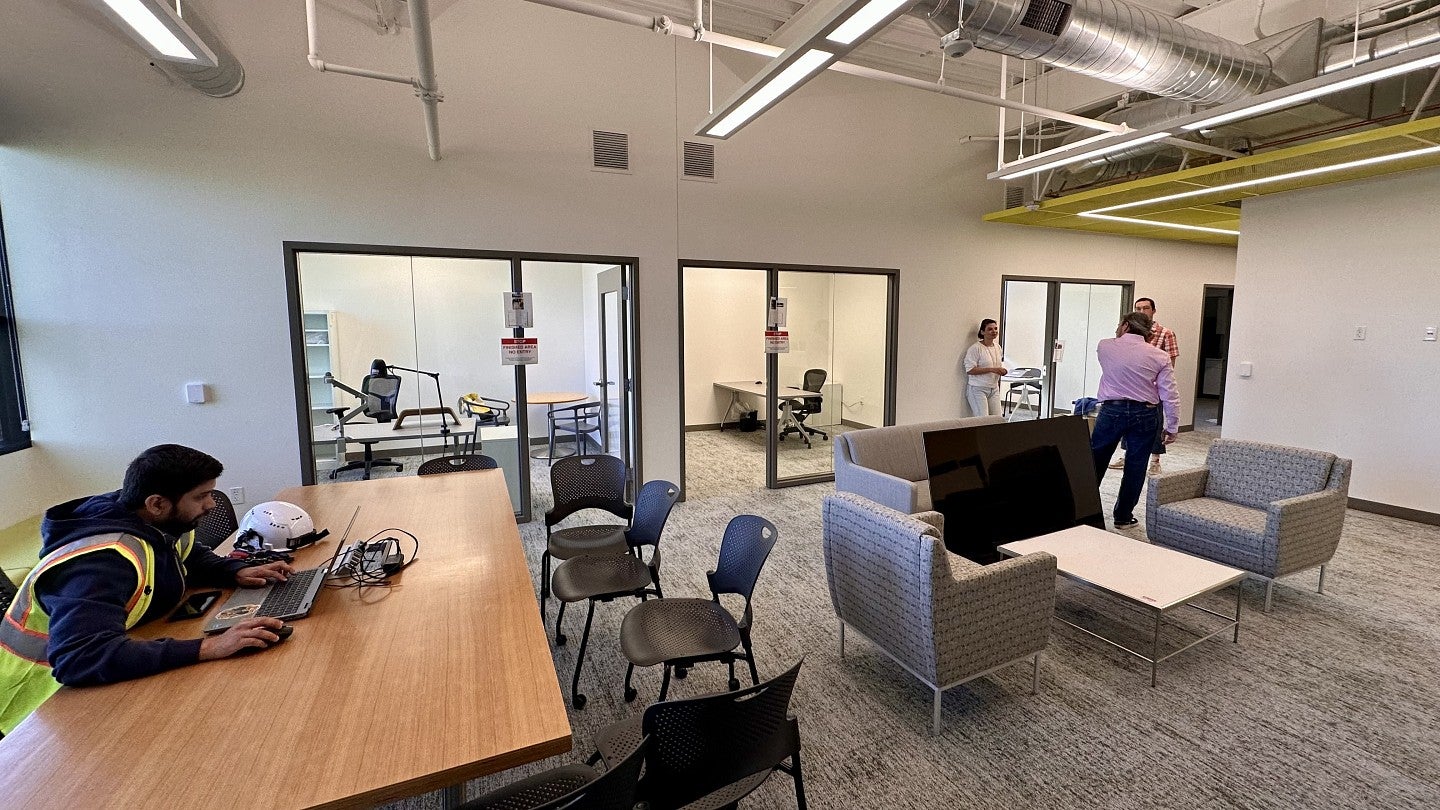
column 285, row 597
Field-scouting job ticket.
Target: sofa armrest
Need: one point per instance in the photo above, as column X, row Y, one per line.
column 1170, row 488
column 993, row 614
column 1304, row 531
column 882, row 488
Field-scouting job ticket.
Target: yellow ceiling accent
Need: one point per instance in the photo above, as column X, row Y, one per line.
column 1220, row 209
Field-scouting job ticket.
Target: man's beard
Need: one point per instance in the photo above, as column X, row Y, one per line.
column 176, row 527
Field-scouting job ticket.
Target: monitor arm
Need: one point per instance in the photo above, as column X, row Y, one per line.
column 365, row 399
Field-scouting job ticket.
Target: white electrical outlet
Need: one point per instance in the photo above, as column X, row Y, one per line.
column 237, row 494
column 1429, row 333
column 1359, row 333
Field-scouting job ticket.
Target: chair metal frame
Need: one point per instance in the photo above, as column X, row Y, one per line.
column 577, row 415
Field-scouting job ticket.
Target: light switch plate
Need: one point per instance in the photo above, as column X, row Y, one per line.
column 1429, row 333
column 1246, row 369
column 195, row 393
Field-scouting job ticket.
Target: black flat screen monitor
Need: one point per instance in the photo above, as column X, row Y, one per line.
column 1011, row 481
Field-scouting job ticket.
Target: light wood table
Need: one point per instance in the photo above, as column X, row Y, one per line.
column 1154, row 578
column 378, row 695
column 550, row 399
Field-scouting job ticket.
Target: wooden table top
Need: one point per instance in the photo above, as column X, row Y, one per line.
column 552, row 397
column 378, row 695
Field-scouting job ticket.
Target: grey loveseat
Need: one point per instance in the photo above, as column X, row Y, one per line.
column 943, row 618
column 1265, row 508
column 887, row 464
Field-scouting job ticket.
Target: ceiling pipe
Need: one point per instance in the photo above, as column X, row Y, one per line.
column 664, row 25
column 426, row 87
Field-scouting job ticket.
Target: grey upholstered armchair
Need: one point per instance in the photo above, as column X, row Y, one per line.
column 1265, row 508
column 943, row 618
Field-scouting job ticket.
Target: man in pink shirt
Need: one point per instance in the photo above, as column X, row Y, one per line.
column 1137, row 385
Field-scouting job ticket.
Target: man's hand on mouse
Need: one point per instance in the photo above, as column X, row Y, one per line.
column 249, row 633
column 258, row 576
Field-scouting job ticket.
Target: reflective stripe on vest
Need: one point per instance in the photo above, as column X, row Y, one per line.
column 25, row 630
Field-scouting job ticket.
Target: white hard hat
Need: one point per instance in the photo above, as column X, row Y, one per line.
column 277, row 525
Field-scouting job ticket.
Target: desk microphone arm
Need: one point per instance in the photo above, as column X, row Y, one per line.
column 440, row 397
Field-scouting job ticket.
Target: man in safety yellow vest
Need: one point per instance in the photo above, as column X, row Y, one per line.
column 111, row 562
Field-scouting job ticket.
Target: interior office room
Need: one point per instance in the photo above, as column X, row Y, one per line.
column 145, row 226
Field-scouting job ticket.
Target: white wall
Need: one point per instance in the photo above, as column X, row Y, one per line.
column 724, row 337
column 145, row 222
column 1313, row 265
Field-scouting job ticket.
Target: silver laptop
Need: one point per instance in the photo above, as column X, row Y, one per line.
column 291, row 599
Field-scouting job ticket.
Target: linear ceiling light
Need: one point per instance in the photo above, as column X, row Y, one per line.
column 1279, row 178
column 1066, row 160
column 829, row 39
column 156, row 26
column 1290, row 100
column 1159, row 224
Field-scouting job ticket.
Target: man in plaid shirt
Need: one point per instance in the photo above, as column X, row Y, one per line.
column 1164, row 339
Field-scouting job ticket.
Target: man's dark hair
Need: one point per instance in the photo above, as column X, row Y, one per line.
column 1138, row 323
column 1153, row 308
column 167, row 470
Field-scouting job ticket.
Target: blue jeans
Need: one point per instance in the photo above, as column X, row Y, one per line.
column 1136, row 423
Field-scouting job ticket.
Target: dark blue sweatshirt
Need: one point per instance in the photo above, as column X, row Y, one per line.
column 85, row 598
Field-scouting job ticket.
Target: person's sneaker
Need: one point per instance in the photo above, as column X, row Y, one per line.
column 1131, row 521
column 1118, row 464
column 1155, row 466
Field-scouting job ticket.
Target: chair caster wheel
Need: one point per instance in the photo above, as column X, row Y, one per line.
column 630, row 695
column 559, row 639
column 734, row 684
column 681, row 674
column 578, row 702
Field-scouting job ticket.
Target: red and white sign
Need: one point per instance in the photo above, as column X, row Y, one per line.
column 519, row 351
column 777, row 342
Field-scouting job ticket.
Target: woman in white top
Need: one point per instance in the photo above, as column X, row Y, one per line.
column 983, row 370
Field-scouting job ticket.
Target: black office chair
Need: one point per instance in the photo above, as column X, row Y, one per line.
column 461, row 463
column 382, row 390
column 606, row 577
column 583, row 482
column 571, row 787
column 712, row 751
column 1022, row 389
column 680, row 633
column 580, row 421
column 814, row 380
column 218, row 523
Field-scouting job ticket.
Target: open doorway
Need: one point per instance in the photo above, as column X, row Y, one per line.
column 1214, row 357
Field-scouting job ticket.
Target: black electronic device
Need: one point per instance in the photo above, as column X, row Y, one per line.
column 194, row 606
column 283, row 633
column 998, row 483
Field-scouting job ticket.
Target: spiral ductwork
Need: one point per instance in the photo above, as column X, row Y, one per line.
column 223, row 80
column 1122, row 43
column 1343, row 55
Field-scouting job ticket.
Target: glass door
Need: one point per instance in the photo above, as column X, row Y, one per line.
column 1025, row 336
column 1050, row 328
column 1086, row 314
column 613, row 380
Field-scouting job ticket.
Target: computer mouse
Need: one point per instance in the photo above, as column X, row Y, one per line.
column 283, row 632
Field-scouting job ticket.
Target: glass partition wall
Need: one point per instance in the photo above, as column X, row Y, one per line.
column 1053, row 325
column 398, row 360
column 762, row 403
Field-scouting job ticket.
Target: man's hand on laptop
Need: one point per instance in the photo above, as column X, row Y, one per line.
column 258, row 576
column 249, row 633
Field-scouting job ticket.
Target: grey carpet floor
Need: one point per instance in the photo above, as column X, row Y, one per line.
column 1327, row 701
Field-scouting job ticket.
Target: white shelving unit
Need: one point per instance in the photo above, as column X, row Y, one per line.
column 322, row 356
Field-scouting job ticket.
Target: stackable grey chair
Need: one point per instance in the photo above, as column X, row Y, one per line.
column 1266, row 508
column 578, row 483
column 572, row 787
column 680, row 633
column 606, row 577
column 579, row 421
column 712, row 751
column 461, row 463
column 943, row 618
column 218, row 523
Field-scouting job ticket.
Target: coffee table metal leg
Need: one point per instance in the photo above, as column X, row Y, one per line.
column 1155, row 650
column 1239, row 592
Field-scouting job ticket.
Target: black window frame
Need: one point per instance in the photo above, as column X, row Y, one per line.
column 14, row 420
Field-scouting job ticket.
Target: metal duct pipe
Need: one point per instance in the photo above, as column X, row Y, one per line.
column 1136, row 116
column 1341, row 56
column 223, row 80
column 1126, row 44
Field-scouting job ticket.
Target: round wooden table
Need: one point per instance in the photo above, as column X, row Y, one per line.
column 550, row 399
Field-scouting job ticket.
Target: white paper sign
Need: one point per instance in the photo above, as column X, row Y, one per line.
column 519, row 310
column 777, row 342
column 1059, row 356
column 519, row 351
column 777, row 313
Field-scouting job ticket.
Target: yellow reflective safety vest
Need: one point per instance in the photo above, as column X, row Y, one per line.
column 26, row 680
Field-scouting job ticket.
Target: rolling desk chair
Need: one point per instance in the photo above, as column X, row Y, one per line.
column 381, row 391
column 1021, row 390
column 814, row 380
column 218, row 523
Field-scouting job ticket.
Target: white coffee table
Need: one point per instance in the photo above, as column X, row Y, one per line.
column 1153, row 578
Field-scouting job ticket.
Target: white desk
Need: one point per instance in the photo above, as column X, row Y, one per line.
column 1039, row 389
column 785, row 394
column 500, row 443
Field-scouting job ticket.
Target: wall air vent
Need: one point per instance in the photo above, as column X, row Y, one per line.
column 1019, row 195
column 1046, row 16
column 611, row 151
column 699, row 161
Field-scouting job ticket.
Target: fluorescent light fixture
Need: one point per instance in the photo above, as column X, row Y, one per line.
column 1066, row 160
column 156, row 26
column 1279, row 178
column 1290, row 100
column 871, row 15
column 1157, row 224
column 769, row 92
